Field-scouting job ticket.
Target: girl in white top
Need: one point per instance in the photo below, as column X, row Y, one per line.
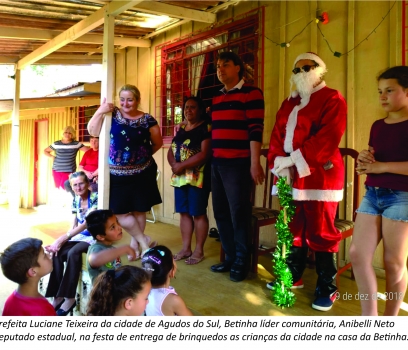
column 163, row 299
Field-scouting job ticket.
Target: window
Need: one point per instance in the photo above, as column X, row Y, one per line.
column 84, row 116
column 188, row 67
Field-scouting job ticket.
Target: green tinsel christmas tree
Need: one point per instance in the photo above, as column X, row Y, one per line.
column 281, row 292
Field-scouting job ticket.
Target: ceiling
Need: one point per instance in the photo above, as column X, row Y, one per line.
column 71, row 32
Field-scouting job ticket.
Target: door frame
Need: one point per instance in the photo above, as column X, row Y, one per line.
column 36, row 156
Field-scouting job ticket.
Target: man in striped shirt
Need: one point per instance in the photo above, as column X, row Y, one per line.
column 237, row 114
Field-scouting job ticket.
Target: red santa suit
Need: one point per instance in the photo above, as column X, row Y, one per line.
column 309, row 131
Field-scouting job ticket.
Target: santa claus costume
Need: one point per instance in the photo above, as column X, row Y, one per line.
column 305, row 141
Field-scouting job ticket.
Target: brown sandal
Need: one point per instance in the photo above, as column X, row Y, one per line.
column 194, row 261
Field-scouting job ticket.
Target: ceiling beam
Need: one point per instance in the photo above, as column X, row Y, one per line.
column 51, row 102
column 32, row 34
column 84, row 49
column 76, row 31
column 73, row 57
column 223, row 6
column 159, row 8
column 185, row 19
column 77, row 62
column 164, row 29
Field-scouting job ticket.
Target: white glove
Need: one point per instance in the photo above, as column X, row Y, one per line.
column 288, row 173
column 282, row 163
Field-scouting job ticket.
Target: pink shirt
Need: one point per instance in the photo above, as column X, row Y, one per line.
column 156, row 299
column 20, row 305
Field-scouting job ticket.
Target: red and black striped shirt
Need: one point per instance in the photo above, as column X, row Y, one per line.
column 237, row 119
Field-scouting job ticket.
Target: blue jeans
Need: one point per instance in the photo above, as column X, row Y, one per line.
column 390, row 204
column 231, row 189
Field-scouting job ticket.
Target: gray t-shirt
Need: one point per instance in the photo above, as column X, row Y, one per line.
column 111, row 265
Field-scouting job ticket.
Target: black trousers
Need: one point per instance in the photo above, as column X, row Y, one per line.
column 64, row 284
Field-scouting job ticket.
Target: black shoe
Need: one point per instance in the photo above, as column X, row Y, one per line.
column 59, row 305
column 214, row 233
column 61, row 312
column 239, row 270
column 223, row 267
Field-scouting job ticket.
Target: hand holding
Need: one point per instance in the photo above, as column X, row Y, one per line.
column 50, row 248
column 177, row 168
column 371, row 168
column 288, row 174
column 105, row 107
column 366, row 156
column 55, row 247
column 282, row 163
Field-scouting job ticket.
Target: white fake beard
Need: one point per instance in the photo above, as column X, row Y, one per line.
column 305, row 81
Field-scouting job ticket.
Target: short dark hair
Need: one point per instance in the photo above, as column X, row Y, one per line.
column 232, row 56
column 19, row 257
column 400, row 73
column 158, row 262
column 96, row 221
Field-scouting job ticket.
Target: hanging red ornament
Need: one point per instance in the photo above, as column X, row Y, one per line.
column 324, row 18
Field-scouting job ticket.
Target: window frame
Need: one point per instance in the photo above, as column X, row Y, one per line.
column 168, row 102
column 85, row 114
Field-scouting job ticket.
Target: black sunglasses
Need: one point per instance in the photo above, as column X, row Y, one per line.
column 305, row 68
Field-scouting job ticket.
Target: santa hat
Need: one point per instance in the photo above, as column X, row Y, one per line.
column 310, row 56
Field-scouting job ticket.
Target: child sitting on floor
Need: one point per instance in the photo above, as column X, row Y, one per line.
column 26, row 262
column 102, row 256
column 163, row 299
column 121, row 292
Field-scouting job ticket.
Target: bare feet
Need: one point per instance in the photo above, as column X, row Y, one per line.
column 134, row 244
column 144, row 245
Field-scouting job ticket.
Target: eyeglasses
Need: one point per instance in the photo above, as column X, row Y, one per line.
column 306, row 68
